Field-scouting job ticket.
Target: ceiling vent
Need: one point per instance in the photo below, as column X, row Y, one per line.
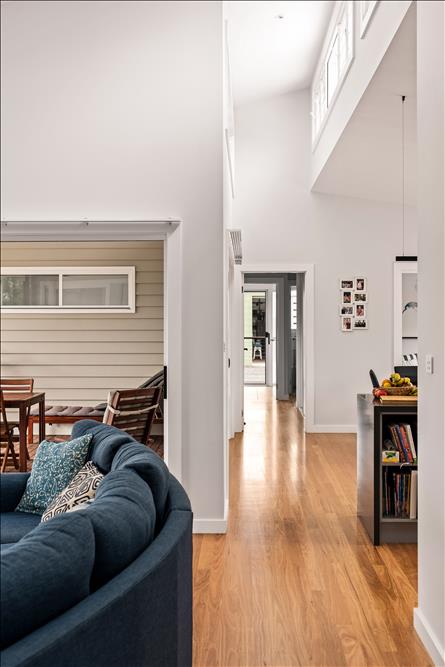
column 235, row 237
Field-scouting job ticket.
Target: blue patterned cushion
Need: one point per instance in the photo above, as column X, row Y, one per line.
column 54, row 467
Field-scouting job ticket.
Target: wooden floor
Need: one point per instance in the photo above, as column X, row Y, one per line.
column 296, row 581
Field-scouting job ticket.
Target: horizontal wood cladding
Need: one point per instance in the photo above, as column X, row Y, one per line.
column 78, row 358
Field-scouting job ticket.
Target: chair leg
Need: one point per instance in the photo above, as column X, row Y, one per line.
column 4, row 459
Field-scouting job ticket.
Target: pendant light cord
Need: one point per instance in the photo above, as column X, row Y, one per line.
column 403, row 175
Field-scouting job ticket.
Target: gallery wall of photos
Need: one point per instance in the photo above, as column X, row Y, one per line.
column 353, row 304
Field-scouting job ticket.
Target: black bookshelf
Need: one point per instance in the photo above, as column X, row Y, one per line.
column 373, row 422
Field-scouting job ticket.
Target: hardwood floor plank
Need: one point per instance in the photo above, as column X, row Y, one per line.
column 296, row 581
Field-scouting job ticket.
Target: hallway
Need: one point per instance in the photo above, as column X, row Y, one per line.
column 296, row 581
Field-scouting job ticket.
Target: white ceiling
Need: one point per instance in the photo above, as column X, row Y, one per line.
column 367, row 160
column 271, row 56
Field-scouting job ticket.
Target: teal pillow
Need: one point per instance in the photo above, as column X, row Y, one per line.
column 54, row 467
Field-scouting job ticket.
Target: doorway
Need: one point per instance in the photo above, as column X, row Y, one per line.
column 259, row 334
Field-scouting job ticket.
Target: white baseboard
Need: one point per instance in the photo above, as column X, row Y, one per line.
column 331, row 428
column 212, row 526
column 429, row 639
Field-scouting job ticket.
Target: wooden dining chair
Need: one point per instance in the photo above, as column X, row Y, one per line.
column 18, row 386
column 6, row 437
column 133, row 411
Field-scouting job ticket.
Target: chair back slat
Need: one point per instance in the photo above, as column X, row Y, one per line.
column 133, row 411
column 17, row 385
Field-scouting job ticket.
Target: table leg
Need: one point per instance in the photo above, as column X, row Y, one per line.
column 41, row 420
column 22, row 436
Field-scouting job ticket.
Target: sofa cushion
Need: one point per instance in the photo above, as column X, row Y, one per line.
column 54, row 466
column 80, row 490
column 105, row 443
column 150, row 467
column 123, row 517
column 15, row 525
column 45, row 574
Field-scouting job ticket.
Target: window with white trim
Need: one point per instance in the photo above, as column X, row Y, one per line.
column 333, row 67
column 81, row 289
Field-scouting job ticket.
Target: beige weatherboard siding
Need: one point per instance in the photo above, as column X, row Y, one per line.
column 79, row 358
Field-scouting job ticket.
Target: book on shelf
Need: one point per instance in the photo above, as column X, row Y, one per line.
column 402, row 438
column 399, row 491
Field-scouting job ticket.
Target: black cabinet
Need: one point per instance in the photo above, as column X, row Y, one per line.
column 374, row 422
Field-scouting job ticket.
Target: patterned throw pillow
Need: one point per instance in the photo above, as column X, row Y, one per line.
column 54, row 466
column 79, row 492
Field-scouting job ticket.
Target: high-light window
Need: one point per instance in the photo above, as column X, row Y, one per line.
column 333, row 66
column 83, row 289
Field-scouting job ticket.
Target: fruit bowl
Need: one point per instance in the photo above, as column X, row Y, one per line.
column 398, row 391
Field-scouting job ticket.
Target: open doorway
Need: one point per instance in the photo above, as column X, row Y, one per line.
column 273, row 333
column 259, row 334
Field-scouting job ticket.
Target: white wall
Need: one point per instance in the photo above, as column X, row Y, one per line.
column 113, row 110
column 429, row 617
column 282, row 222
column 368, row 53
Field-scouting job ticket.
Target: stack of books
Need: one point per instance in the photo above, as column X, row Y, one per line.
column 399, row 494
column 403, row 441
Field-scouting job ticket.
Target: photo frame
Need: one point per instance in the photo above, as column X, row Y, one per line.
column 360, row 310
column 360, row 297
column 347, row 323
column 360, row 284
column 347, row 297
column 366, row 11
column 347, row 310
column 347, row 283
column 360, row 324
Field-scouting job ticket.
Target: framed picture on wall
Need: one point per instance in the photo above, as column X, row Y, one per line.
column 347, row 311
column 346, row 323
column 360, row 297
column 346, row 283
column 360, row 324
column 360, row 284
column 346, row 297
column 360, row 310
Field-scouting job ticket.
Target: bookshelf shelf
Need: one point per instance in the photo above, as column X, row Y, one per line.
column 375, row 422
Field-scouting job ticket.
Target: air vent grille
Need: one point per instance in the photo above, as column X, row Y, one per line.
column 235, row 237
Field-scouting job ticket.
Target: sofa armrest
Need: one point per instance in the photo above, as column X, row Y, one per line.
column 12, row 487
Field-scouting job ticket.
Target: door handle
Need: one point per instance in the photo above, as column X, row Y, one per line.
column 267, row 336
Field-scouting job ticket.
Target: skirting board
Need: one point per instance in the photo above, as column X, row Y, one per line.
column 429, row 639
column 331, row 428
column 212, row 526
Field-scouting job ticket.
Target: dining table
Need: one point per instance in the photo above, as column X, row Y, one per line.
column 22, row 401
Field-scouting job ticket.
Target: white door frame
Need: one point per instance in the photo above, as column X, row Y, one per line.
column 268, row 288
column 168, row 230
column 308, row 328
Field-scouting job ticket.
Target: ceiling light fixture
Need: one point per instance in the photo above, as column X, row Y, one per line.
column 403, row 257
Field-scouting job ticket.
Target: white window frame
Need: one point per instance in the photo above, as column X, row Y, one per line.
column 61, row 271
column 321, row 114
column 366, row 14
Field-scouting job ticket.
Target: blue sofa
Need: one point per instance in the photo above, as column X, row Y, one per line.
column 107, row 585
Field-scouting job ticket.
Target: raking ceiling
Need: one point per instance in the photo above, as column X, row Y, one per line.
column 274, row 46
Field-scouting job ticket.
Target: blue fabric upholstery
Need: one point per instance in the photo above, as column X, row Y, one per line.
column 15, row 525
column 57, row 556
column 143, row 614
column 150, row 467
column 12, row 488
column 112, row 449
column 123, row 517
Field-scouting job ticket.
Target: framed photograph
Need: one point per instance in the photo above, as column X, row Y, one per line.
column 346, row 297
column 360, row 324
column 360, row 297
column 367, row 9
column 347, row 283
column 360, row 284
column 347, row 311
column 346, row 323
column 360, row 310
